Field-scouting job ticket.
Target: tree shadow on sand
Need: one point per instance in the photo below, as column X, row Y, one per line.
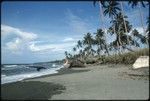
column 30, row 90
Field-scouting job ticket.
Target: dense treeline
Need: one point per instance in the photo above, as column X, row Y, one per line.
column 127, row 39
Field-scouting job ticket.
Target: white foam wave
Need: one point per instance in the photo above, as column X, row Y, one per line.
column 14, row 67
column 53, row 65
column 14, row 78
column 3, row 75
column 10, row 65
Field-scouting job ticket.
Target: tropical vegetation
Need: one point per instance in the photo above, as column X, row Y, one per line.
column 127, row 41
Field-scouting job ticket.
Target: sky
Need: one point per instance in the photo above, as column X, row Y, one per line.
column 42, row 31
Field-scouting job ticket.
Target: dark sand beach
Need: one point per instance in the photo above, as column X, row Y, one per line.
column 93, row 82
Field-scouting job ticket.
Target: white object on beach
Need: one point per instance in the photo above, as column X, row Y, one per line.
column 66, row 65
column 142, row 61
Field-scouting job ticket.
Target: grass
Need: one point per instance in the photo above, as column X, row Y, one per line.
column 126, row 58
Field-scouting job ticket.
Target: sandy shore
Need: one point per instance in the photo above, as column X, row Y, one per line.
column 93, row 82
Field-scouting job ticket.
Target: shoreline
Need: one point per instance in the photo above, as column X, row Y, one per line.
column 93, row 82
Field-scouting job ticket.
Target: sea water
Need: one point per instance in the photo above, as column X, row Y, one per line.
column 13, row 73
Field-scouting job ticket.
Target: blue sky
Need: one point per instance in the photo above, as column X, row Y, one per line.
column 43, row 31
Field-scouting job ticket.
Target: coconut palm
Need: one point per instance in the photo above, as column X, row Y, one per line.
column 101, row 5
column 148, row 20
column 100, row 41
column 134, row 3
column 66, row 54
column 139, row 36
column 111, row 8
column 101, row 1
column 74, row 49
column 88, row 42
column 79, row 44
column 120, row 30
column 137, row 3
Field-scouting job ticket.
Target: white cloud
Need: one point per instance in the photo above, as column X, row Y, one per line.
column 140, row 30
column 51, row 47
column 15, row 45
column 25, row 41
column 7, row 30
column 39, row 48
column 20, row 42
column 77, row 24
column 68, row 39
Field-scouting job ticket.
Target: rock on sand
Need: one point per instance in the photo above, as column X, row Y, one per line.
column 142, row 61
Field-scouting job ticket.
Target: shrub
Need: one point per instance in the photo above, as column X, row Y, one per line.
column 125, row 58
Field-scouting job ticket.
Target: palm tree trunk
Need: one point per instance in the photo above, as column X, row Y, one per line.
column 141, row 18
column 123, row 17
column 101, row 14
column 124, row 22
column 118, row 47
column 103, row 27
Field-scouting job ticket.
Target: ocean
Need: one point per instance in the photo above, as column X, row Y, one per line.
column 18, row 72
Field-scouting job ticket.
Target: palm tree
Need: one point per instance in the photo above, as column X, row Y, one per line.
column 134, row 3
column 121, row 3
column 137, row 3
column 101, row 1
column 100, row 41
column 111, row 8
column 74, row 49
column 88, row 42
column 139, row 36
column 148, row 25
column 79, row 44
column 120, row 30
column 101, row 5
column 66, row 54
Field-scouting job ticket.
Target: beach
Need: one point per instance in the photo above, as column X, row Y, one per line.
column 94, row 82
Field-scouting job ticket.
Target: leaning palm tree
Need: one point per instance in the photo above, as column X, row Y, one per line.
column 74, row 49
column 148, row 25
column 120, row 30
column 101, row 5
column 111, row 8
column 100, row 41
column 139, row 36
column 134, row 3
column 88, row 42
column 137, row 3
column 66, row 54
column 79, row 44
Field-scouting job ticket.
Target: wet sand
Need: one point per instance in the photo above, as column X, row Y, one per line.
column 91, row 83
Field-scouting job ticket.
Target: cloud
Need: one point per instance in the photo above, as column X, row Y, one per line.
column 21, row 40
column 14, row 45
column 77, row 24
column 68, row 39
column 140, row 29
column 51, row 47
column 27, row 41
column 8, row 30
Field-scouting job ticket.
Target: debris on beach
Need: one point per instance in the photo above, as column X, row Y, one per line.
column 73, row 63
